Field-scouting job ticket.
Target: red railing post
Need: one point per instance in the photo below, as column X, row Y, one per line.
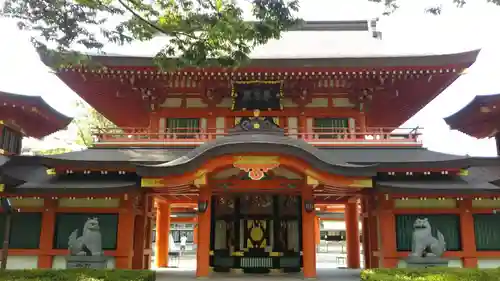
column 327, row 136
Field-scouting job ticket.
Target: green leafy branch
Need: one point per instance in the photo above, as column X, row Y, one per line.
column 200, row 32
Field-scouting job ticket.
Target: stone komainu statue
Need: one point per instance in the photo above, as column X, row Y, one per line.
column 90, row 243
column 423, row 243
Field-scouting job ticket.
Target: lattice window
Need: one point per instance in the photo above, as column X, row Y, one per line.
column 487, row 231
column 183, row 128
column 24, row 230
column 331, row 128
column 10, row 140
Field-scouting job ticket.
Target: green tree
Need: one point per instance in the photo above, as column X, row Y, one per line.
column 392, row 5
column 52, row 151
column 89, row 122
column 197, row 29
column 200, row 32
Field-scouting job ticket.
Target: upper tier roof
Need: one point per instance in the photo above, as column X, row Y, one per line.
column 315, row 39
column 479, row 118
column 283, row 57
column 341, row 53
column 32, row 114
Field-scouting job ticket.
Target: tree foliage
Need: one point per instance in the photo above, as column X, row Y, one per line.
column 86, row 122
column 52, row 151
column 392, row 5
column 196, row 29
column 200, row 32
column 90, row 121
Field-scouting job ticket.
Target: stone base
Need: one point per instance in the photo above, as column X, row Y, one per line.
column 95, row 262
column 419, row 262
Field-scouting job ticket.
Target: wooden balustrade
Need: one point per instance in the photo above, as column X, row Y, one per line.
column 316, row 136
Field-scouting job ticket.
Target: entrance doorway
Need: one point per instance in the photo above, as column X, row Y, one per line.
column 256, row 233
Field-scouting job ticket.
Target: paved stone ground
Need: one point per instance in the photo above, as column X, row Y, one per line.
column 327, row 269
column 333, row 274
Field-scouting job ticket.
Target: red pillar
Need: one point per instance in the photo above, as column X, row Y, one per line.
column 365, row 234
column 139, row 242
column 303, row 130
column 368, row 232
column 47, row 233
column 166, row 233
column 467, row 234
column 203, row 249
column 362, row 122
column 308, row 241
column 125, row 237
column 162, row 234
column 195, row 234
column 386, row 222
column 352, row 234
column 317, row 231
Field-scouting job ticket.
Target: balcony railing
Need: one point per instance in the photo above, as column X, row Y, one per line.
column 315, row 136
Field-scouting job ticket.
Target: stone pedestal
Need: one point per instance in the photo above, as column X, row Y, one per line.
column 419, row 262
column 94, row 262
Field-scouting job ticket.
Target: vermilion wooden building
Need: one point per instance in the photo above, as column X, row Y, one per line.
column 24, row 116
column 253, row 152
column 479, row 118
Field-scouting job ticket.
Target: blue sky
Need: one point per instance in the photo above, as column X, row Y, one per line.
column 408, row 30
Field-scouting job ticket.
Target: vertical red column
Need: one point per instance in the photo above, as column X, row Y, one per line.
column 162, row 234
column 365, row 234
column 211, row 130
column 467, row 234
column 203, row 249
column 230, row 120
column 317, row 236
column 47, row 233
column 149, row 222
column 387, row 230
column 303, row 130
column 125, row 237
column 373, row 230
column 308, row 241
column 352, row 234
column 195, row 234
column 139, row 242
column 166, row 233
column 154, row 123
column 362, row 122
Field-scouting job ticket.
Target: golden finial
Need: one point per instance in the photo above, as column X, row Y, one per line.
column 256, row 113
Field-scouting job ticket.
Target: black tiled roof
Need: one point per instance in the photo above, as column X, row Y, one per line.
column 389, row 155
column 384, row 157
column 242, row 143
column 407, row 158
column 76, row 187
column 439, row 187
column 478, row 180
column 136, row 155
column 312, row 60
column 29, row 172
column 104, row 157
column 3, row 159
